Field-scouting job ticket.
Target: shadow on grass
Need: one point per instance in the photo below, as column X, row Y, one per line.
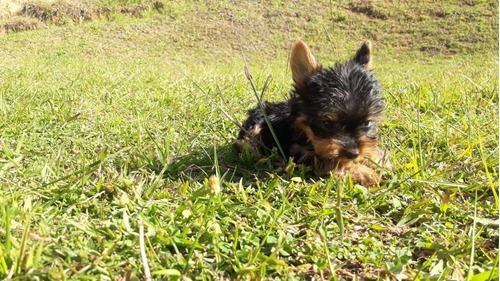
column 231, row 166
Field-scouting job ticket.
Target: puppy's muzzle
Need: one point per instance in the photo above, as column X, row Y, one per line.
column 350, row 146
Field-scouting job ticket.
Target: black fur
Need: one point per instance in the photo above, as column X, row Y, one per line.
column 347, row 90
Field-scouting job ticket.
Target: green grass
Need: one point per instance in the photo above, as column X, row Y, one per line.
column 113, row 123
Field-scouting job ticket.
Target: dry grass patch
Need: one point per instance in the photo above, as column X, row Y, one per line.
column 34, row 14
column 24, row 15
column 61, row 11
column 18, row 23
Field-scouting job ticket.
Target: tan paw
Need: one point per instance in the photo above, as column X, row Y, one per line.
column 362, row 174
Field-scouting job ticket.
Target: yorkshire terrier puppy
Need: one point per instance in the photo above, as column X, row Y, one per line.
column 330, row 120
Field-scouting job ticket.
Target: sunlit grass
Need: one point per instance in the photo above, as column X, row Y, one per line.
column 102, row 130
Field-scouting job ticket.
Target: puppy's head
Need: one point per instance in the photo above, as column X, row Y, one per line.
column 338, row 107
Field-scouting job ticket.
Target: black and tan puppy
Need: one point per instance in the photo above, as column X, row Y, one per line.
column 330, row 121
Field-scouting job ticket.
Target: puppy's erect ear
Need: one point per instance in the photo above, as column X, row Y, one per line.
column 302, row 63
column 363, row 55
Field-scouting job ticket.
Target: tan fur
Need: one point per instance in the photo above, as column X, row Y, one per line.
column 250, row 140
column 361, row 173
column 256, row 131
column 368, row 148
column 328, row 116
column 324, row 148
column 369, row 45
column 302, row 63
column 327, row 152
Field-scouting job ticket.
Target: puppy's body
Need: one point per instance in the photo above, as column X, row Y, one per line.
column 329, row 121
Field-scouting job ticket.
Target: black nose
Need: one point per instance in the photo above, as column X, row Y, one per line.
column 352, row 153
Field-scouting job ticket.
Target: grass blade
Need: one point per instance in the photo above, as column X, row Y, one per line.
column 473, row 248
column 259, row 102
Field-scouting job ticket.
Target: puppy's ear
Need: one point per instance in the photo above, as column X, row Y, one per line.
column 363, row 55
column 302, row 63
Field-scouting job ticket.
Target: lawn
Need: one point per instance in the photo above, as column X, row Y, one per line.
column 116, row 132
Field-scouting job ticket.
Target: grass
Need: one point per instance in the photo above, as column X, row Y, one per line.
column 116, row 123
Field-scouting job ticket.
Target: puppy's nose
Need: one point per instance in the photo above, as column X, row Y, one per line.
column 352, row 153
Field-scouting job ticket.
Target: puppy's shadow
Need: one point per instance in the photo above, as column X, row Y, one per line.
column 232, row 165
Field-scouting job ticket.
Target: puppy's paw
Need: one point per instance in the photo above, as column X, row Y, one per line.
column 361, row 174
column 244, row 146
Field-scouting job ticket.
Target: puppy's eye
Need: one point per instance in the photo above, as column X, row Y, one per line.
column 327, row 124
column 331, row 125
